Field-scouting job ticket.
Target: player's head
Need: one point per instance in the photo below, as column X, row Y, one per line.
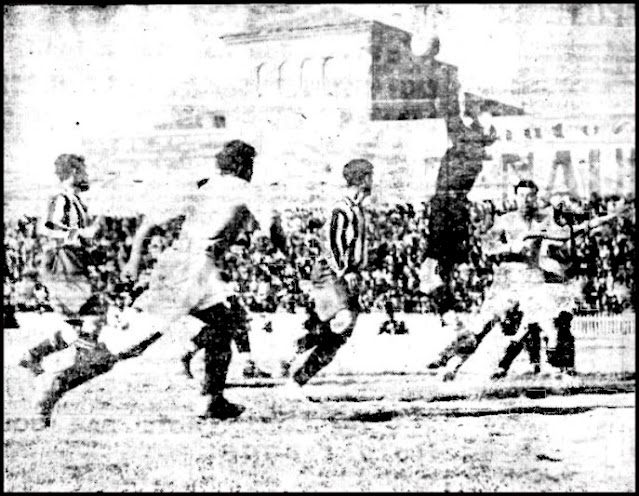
column 359, row 174
column 236, row 158
column 526, row 193
column 71, row 169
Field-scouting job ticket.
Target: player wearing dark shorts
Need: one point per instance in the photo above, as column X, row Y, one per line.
column 65, row 273
column 335, row 281
column 190, row 278
column 225, row 324
column 66, row 260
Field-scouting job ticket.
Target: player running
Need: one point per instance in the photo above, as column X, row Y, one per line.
column 65, row 273
column 335, row 276
column 189, row 278
column 530, row 293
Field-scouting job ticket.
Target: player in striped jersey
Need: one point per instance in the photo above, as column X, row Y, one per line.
column 65, row 273
column 65, row 263
column 334, row 279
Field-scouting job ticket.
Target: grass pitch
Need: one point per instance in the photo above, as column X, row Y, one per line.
column 136, row 429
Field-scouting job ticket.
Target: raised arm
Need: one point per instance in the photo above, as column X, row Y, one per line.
column 132, row 267
column 598, row 222
column 592, row 225
column 183, row 202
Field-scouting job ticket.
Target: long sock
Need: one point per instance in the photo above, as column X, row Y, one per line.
column 319, row 358
column 48, row 346
column 217, row 359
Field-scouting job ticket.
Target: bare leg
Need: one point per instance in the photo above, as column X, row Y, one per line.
column 88, row 364
column 58, row 341
column 456, row 363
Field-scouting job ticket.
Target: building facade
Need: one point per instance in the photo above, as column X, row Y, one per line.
column 363, row 69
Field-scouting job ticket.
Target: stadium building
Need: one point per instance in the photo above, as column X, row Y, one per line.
column 312, row 86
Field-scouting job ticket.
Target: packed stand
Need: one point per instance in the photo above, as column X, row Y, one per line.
column 267, row 274
column 606, row 258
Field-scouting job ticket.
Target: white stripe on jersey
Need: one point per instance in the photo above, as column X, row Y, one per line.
column 66, row 211
column 347, row 236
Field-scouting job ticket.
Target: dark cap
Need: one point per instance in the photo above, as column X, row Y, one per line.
column 356, row 170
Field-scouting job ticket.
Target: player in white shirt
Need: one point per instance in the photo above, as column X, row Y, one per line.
column 530, row 290
column 188, row 278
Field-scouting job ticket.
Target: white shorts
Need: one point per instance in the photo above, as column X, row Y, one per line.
column 131, row 329
column 538, row 300
column 182, row 282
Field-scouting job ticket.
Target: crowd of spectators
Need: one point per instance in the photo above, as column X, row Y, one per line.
column 605, row 259
column 267, row 274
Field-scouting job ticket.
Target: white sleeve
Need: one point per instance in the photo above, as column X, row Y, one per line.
column 183, row 202
column 263, row 211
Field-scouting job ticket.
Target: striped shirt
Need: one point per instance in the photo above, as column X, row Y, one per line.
column 66, row 211
column 347, row 236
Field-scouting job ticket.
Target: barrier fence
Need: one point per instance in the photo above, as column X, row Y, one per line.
column 603, row 344
column 603, row 326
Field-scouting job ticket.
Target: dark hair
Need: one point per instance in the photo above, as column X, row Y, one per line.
column 526, row 183
column 66, row 165
column 236, row 158
column 356, row 170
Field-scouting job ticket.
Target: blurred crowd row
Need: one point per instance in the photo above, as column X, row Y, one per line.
column 267, row 274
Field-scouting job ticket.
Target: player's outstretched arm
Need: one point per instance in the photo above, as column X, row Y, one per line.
column 598, row 222
column 132, row 267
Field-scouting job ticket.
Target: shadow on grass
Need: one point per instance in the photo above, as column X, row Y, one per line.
column 541, row 391
column 605, row 381
column 345, row 398
column 374, row 416
column 385, row 416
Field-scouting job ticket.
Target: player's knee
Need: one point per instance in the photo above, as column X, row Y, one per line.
column 343, row 322
column 67, row 335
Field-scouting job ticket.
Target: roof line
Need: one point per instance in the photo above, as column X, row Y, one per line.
column 271, row 31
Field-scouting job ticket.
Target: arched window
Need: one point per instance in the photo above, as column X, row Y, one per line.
column 307, row 83
column 330, row 76
column 286, row 80
column 267, row 79
column 259, row 79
